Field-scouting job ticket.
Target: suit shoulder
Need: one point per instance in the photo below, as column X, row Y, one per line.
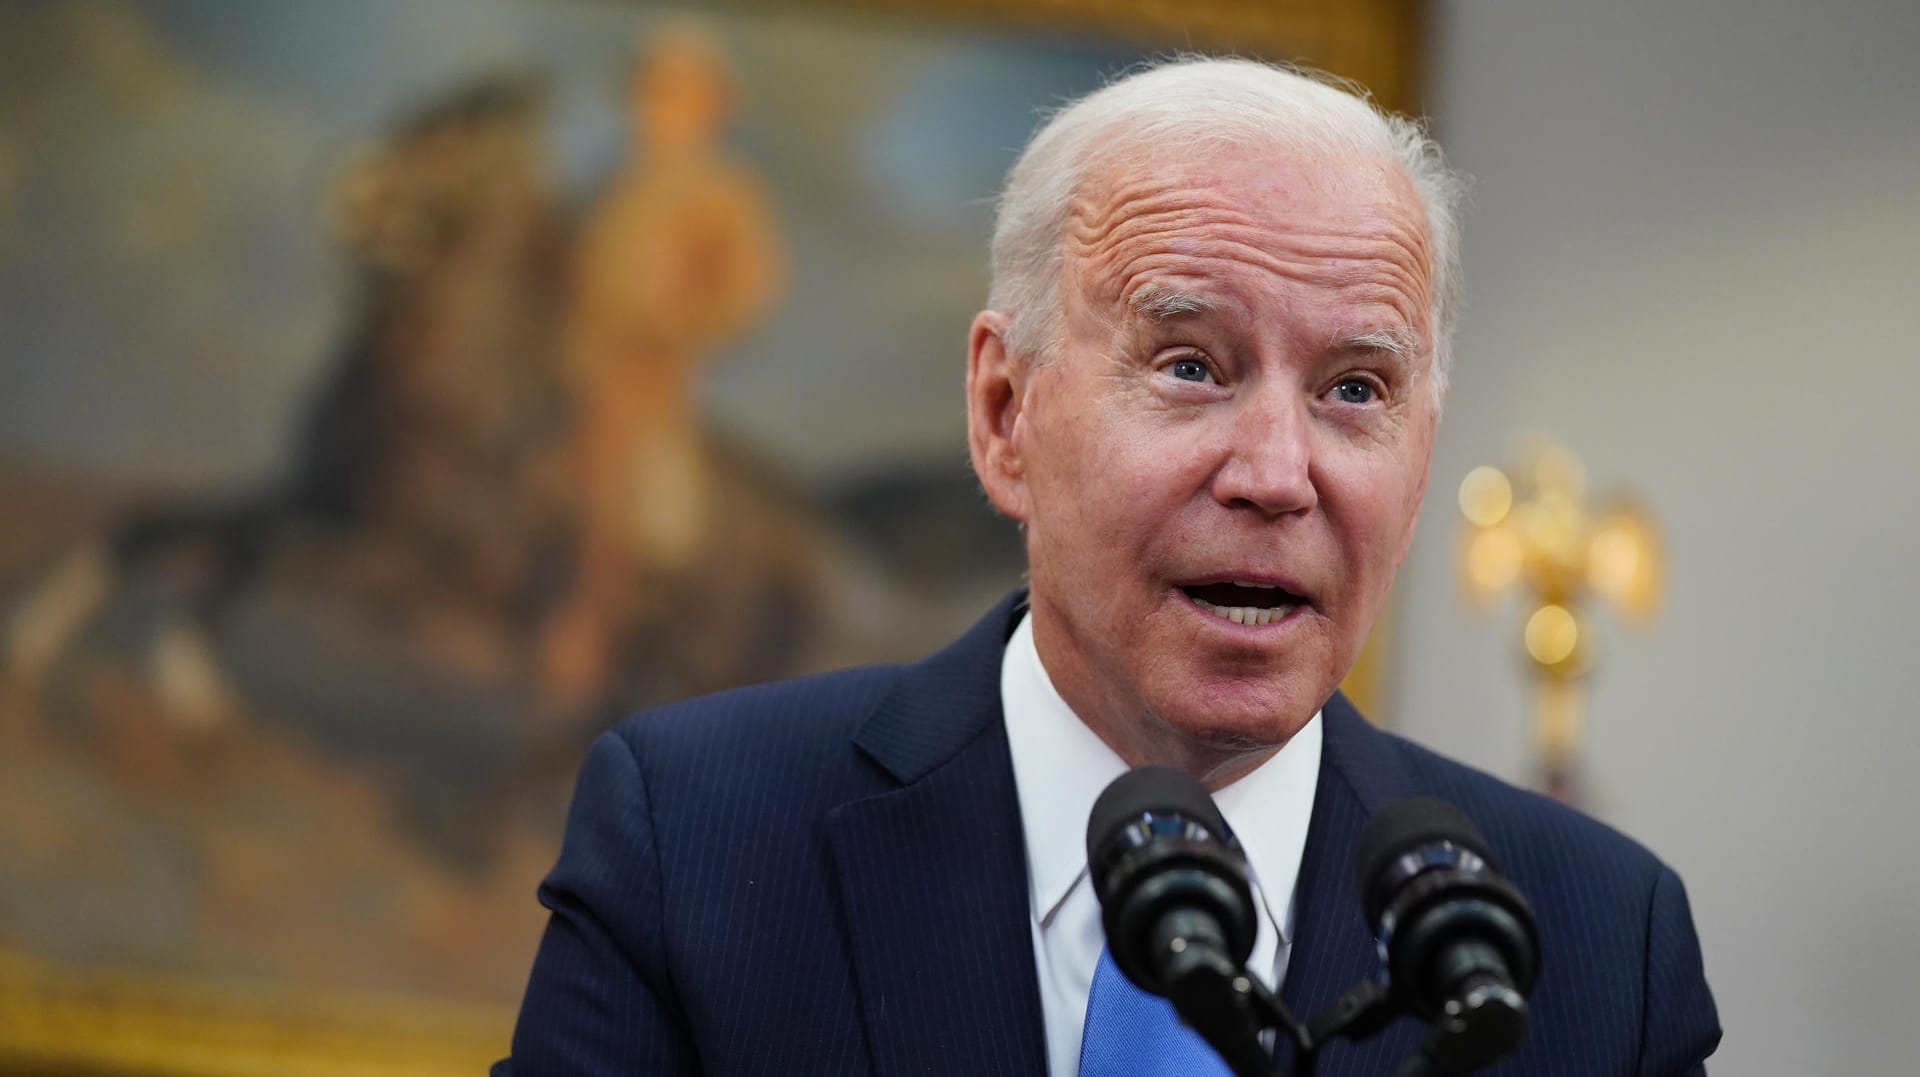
column 1530, row 832
column 1621, row 974
column 780, row 716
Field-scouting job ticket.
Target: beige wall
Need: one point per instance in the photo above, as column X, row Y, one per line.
column 1694, row 254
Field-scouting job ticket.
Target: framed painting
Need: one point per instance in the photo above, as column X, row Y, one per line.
column 394, row 395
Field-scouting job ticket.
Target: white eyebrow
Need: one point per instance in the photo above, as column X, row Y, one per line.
column 1160, row 302
column 1397, row 340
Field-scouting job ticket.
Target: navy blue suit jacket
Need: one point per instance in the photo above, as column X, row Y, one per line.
column 827, row 877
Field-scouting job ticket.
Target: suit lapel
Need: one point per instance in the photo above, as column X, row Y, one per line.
column 1333, row 948
column 932, row 875
column 933, row 879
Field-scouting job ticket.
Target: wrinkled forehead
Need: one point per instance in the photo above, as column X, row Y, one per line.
column 1135, row 213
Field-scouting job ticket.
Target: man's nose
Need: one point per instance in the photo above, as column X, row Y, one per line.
column 1267, row 465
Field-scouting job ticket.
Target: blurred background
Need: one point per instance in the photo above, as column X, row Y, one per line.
column 393, row 395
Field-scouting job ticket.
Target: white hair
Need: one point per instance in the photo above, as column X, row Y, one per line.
column 1182, row 105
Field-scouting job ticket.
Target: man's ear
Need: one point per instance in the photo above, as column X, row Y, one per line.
column 996, row 384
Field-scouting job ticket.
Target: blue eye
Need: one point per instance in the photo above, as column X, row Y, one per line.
column 1189, row 370
column 1354, row 391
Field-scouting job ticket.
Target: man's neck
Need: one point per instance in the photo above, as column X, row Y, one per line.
column 1138, row 735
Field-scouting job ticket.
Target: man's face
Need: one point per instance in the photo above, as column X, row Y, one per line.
column 1220, row 466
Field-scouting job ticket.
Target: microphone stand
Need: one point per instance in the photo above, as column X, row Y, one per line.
column 1176, row 891
column 1231, row 1010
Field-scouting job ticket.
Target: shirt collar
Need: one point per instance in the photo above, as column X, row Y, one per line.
column 1060, row 768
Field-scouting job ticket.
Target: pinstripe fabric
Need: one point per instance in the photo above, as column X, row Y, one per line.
column 1621, row 989
column 826, row 877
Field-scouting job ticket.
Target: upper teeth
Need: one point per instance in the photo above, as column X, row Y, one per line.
column 1247, row 615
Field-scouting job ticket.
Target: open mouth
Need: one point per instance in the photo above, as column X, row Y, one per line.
column 1244, row 603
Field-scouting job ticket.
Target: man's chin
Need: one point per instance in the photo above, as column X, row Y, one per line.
column 1242, row 721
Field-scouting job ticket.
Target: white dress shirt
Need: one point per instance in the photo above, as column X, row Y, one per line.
column 1059, row 768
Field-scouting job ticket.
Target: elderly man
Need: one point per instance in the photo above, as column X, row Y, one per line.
column 1207, row 390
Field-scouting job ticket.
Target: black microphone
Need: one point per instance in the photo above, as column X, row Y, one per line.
column 1166, row 867
column 1176, row 905
column 1459, row 941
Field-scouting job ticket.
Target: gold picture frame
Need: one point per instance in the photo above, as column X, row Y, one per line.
column 1377, row 43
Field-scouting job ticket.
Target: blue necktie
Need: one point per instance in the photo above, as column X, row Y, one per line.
column 1130, row 1033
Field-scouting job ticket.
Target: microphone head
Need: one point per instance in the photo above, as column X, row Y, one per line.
column 1459, row 941
column 1158, row 847
column 1154, row 790
column 1404, row 827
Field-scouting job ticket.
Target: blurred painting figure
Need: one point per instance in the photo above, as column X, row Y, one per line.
column 504, row 524
column 416, row 481
column 677, row 259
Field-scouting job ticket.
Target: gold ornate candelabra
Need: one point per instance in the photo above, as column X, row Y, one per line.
column 1534, row 531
